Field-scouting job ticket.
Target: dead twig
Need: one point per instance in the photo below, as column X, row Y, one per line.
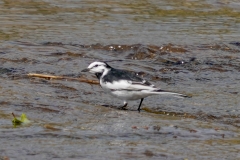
column 46, row 76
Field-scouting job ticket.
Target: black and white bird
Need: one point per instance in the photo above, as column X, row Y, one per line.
column 125, row 85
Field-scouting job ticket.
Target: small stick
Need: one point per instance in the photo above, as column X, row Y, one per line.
column 81, row 79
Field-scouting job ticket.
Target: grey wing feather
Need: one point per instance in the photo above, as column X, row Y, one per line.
column 135, row 79
column 144, row 82
column 135, row 82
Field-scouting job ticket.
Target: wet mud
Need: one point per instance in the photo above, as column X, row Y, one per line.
column 59, row 99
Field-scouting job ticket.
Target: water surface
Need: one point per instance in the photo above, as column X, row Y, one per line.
column 190, row 47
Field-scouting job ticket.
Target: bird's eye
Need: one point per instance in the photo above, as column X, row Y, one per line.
column 96, row 65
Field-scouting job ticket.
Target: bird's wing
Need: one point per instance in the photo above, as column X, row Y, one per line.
column 125, row 80
column 143, row 85
column 127, row 85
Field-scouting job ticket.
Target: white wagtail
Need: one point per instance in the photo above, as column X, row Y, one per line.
column 125, row 85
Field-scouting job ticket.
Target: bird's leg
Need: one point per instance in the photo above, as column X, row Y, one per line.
column 140, row 105
column 124, row 106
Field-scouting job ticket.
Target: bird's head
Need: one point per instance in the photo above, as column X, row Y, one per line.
column 97, row 67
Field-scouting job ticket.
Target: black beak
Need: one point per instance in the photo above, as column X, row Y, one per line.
column 86, row 70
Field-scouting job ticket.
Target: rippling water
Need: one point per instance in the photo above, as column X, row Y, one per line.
column 185, row 46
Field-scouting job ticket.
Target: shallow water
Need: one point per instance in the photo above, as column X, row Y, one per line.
column 190, row 47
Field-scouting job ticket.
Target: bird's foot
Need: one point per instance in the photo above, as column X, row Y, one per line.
column 124, row 107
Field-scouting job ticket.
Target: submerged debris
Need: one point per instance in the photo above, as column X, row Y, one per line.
column 22, row 120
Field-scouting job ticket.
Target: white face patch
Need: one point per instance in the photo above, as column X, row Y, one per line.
column 96, row 64
column 97, row 67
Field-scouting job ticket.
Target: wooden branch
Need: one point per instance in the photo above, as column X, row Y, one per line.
column 81, row 79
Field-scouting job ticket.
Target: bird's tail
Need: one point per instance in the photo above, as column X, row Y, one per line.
column 164, row 92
